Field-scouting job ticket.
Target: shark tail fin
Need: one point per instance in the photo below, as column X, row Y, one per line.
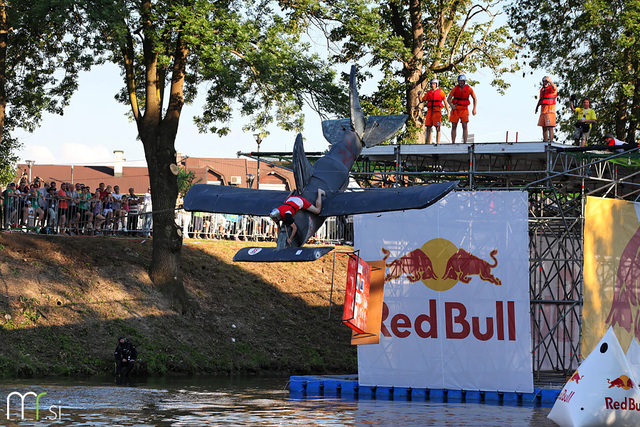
column 301, row 165
column 371, row 131
column 381, row 128
column 358, row 120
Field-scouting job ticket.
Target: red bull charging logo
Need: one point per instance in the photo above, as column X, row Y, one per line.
column 622, row 381
column 440, row 265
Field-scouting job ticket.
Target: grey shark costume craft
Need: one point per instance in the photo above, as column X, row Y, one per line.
column 331, row 173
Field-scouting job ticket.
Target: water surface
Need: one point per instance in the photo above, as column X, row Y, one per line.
column 221, row 401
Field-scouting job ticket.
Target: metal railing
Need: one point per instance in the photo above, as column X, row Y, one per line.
column 46, row 215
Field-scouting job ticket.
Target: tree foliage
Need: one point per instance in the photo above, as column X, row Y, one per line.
column 593, row 46
column 42, row 50
column 242, row 54
column 412, row 41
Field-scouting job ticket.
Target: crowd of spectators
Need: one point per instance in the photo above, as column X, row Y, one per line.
column 74, row 209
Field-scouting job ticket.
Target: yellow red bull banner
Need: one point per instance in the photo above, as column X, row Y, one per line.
column 456, row 298
column 611, row 271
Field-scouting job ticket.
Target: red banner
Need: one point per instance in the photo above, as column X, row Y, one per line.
column 356, row 299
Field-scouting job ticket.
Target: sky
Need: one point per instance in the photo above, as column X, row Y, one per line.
column 95, row 124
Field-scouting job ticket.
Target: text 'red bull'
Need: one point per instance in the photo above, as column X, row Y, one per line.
column 626, row 404
column 456, row 324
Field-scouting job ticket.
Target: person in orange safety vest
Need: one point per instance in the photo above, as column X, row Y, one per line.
column 547, row 100
column 434, row 98
column 459, row 101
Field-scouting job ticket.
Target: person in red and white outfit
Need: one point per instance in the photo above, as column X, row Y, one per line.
column 292, row 205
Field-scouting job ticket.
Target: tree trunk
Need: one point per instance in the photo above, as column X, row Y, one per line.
column 4, row 34
column 167, row 235
column 635, row 112
column 413, row 71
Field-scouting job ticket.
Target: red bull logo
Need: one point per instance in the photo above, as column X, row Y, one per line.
column 622, row 381
column 624, row 306
column 575, row 377
column 440, row 265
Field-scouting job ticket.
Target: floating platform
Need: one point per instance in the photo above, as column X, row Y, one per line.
column 347, row 387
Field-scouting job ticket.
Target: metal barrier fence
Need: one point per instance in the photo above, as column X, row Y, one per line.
column 38, row 214
column 52, row 215
column 199, row 225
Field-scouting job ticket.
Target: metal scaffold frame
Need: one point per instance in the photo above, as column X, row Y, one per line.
column 557, row 178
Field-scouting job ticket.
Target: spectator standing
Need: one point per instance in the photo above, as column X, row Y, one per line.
column 435, row 99
column 97, row 211
column 133, row 201
column 63, row 208
column 547, row 100
column 10, row 205
column 198, row 224
column 459, row 100
column 147, row 208
column 73, row 192
column 84, row 208
column 118, row 210
column 585, row 117
column 51, row 202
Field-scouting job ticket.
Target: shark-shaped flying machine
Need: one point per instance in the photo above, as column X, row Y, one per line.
column 330, row 173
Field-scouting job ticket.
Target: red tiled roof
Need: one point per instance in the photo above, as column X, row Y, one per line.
column 223, row 169
column 138, row 176
column 132, row 176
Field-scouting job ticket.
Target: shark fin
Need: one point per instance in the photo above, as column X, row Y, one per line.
column 371, row 131
column 358, row 120
column 381, row 128
column 301, row 165
column 334, row 130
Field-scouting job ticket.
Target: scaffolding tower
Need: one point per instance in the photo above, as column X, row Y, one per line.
column 557, row 179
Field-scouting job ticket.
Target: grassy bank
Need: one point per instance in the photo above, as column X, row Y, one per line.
column 65, row 300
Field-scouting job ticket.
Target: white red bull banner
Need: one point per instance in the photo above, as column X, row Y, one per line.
column 456, row 298
column 611, row 271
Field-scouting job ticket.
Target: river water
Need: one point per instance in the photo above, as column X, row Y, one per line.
column 216, row 401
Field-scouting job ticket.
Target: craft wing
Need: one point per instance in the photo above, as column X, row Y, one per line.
column 232, row 200
column 385, row 199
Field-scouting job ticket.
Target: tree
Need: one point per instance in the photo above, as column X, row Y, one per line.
column 594, row 48
column 168, row 49
column 413, row 41
column 42, row 51
column 186, row 180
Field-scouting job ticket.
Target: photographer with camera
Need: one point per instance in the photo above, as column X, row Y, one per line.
column 585, row 119
column 547, row 99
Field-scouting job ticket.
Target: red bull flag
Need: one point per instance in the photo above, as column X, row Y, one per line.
column 611, row 271
column 456, row 298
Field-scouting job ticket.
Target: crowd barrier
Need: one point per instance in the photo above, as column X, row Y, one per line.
column 28, row 214
column 199, row 225
column 19, row 214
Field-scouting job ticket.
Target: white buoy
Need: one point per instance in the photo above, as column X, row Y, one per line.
column 602, row 392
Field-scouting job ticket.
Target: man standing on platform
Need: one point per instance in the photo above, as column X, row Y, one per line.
column 435, row 99
column 585, row 117
column 547, row 100
column 459, row 101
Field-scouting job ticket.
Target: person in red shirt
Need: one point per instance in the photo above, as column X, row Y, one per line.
column 292, row 205
column 63, row 208
column 459, row 101
column 435, row 101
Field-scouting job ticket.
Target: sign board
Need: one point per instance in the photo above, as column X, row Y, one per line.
column 356, row 299
column 456, row 311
